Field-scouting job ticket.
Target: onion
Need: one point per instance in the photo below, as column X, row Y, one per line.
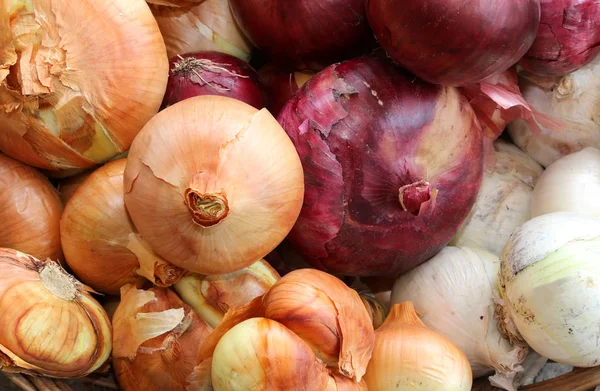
column 78, row 80
column 212, row 184
column 574, row 100
column 504, row 201
column 68, row 186
column 549, row 283
column 570, row 184
column 101, row 245
column 174, row 3
column 280, row 85
column 568, row 37
column 30, row 210
column 392, row 167
column 213, row 73
column 452, row 42
column 304, row 32
column 206, row 26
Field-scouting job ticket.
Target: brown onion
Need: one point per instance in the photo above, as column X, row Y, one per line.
column 30, row 211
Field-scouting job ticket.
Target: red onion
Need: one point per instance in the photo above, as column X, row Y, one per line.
column 455, row 42
column 304, row 32
column 213, row 73
column 568, row 37
column 281, row 84
column 392, row 167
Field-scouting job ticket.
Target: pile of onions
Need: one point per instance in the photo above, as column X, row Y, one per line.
column 549, row 283
column 100, row 242
column 504, row 201
column 572, row 99
column 452, row 43
column 30, row 211
column 212, row 184
column 156, row 340
column 50, row 324
column 213, row 73
column 304, row 33
column 205, row 26
column 281, row 84
column 408, row 356
column 97, row 75
column 568, row 37
column 570, row 184
column 392, row 167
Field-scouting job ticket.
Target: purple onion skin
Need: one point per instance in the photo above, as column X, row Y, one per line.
column 364, row 130
column 454, row 42
column 568, row 37
column 229, row 77
column 305, row 33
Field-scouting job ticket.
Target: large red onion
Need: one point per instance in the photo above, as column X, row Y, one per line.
column 304, row 32
column 281, row 84
column 213, row 73
column 455, row 42
column 568, row 37
column 392, row 167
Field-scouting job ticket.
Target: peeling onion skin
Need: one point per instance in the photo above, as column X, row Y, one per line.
column 79, row 97
column 304, row 32
column 363, row 142
column 568, row 37
column 455, row 42
column 30, row 210
column 213, row 73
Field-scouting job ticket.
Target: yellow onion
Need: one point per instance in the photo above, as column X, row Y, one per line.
column 30, row 211
column 174, row 3
column 68, row 186
column 410, row 357
column 205, row 26
column 50, row 325
column 156, row 340
column 101, row 244
column 78, row 79
column 212, row 296
column 213, row 184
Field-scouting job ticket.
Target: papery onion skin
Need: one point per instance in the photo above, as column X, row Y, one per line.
column 82, row 95
column 549, row 281
column 281, row 84
column 303, row 32
column 213, row 73
column 166, row 361
column 455, row 43
column 207, row 26
column 50, row 324
column 568, row 37
column 212, row 184
column 390, row 172
column 96, row 235
column 265, row 355
column 30, row 210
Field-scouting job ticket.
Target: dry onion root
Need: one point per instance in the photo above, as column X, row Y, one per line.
column 30, row 211
column 78, row 79
column 50, row 324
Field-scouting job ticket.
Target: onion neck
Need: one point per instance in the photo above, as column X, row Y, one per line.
column 414, row 195
column 57, row 281
column 403, row 314
column 207, row 209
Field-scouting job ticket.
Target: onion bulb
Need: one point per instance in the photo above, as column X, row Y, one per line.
column 408, row 356
column 212, row 184
column 281, row 84
column 206, row 26
column 68, row 186
column 50, row 324
column 213, row 73
column 567, row 39
column 392, row 167
column 78, row 79
column 101, row 244
column 452, row 42
column 156, row 339
column 174, row 3
column 212, row 296
column 30, row 210
column 454, row 294
column 570, row 184
column 572, row 99
column 550, row 286
column 504, row 201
